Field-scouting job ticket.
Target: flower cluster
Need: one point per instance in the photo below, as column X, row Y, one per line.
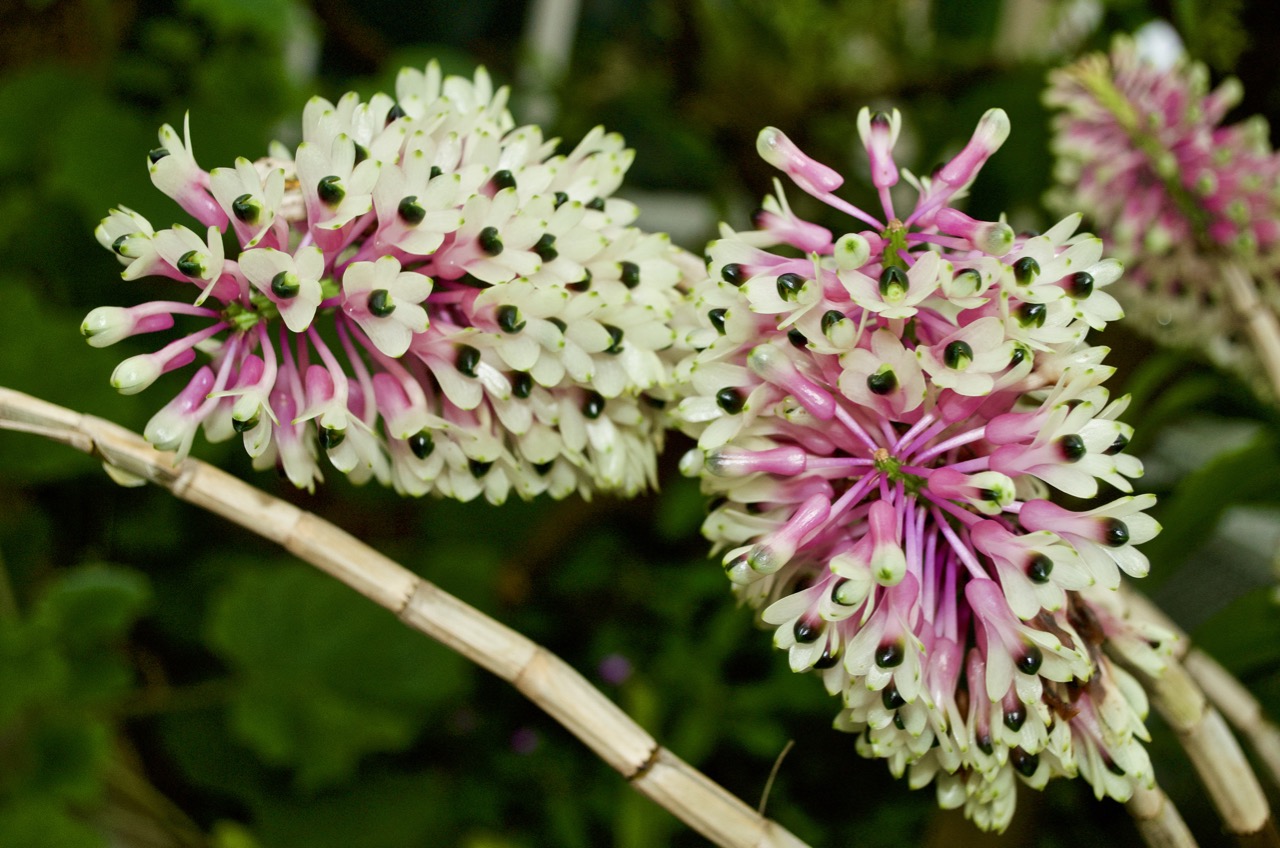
column 1175, row 192
column 882, row 415
column 424, row 291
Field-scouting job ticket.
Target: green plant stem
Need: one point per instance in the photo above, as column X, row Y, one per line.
column 141, row 814
column 8, row 600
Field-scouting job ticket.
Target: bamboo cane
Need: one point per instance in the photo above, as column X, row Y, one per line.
column 541, row 676
column 1223, row 690
column 1239, row 707
column 1258, row 319
column 1214, row 752
column 1158, row 820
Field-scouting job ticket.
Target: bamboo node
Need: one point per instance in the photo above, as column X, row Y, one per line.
column 420, row 587
column 645, row 767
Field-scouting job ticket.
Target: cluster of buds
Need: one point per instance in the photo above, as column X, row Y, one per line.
column 881, row 416
column 424, row 292
column 1176, row 193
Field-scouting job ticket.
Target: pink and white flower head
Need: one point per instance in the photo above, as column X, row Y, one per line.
column 1140, row 143
column 425, row 293
column 883, row 415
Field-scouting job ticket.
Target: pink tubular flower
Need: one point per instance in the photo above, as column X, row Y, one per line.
column 1176, row 193
column 883, row 417
column 426, row 294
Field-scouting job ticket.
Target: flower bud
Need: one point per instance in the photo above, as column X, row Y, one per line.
column 779, row 151
column 992, row 237
column 136, row 373
column 736, row 462
column 174, row 426
column 770, row 363
column 106, row 325
column 851, row 252
column 879, row 133
column 990, row 134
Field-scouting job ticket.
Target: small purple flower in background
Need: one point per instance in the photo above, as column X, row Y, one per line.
column 1140, row 143
column 525, row 741
column 614, row 669
column 426, row 293
column 882, row 415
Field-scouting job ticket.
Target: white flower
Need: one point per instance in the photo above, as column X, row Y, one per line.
column 132, row 239
column 292, row 283
column 966, row 359
column 201, row 262
column 887, row 377
column 415, row 209
column 251, row 202
column 174, row 171
column 337, row 190
column 386, row 302
column 897, row 292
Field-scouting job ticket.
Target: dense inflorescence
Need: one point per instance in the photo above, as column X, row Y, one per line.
column 881, row 416
column 1174, row 191
column 424, row 292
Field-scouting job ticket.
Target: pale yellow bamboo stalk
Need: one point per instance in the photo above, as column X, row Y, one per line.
column 541, row 676
column 1158, row 820
column 1258, row 319
column 1214, row 752
column 1239, row 707
column 1223, row 690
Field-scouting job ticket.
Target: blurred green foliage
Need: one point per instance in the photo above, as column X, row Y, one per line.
column 62, row 672
column 312, row 698
column 213, row 692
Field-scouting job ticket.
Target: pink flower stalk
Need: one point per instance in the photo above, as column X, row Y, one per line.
column 425, row 293
column 1174, row 191
column 884, row 415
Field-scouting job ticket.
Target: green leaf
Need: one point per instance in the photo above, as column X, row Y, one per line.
column 64, row 655
column 42, row 823
column 92, row 605
column 25, row 101
column 67, row 755
column 202, row 747
column 229, row 834
column 327, row 676
column 98, row 159
column 88, row 611
column 388, row 811
column 1146, row 380
column 259, row 17
column 1196, row 505
column 680, row 510
column 1174, row 402
column 1245, row 636
column 493, row 840
column 1213, row 30
column 58, row 670
column 30, row 671
column 975, row 21
column 43, row 353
